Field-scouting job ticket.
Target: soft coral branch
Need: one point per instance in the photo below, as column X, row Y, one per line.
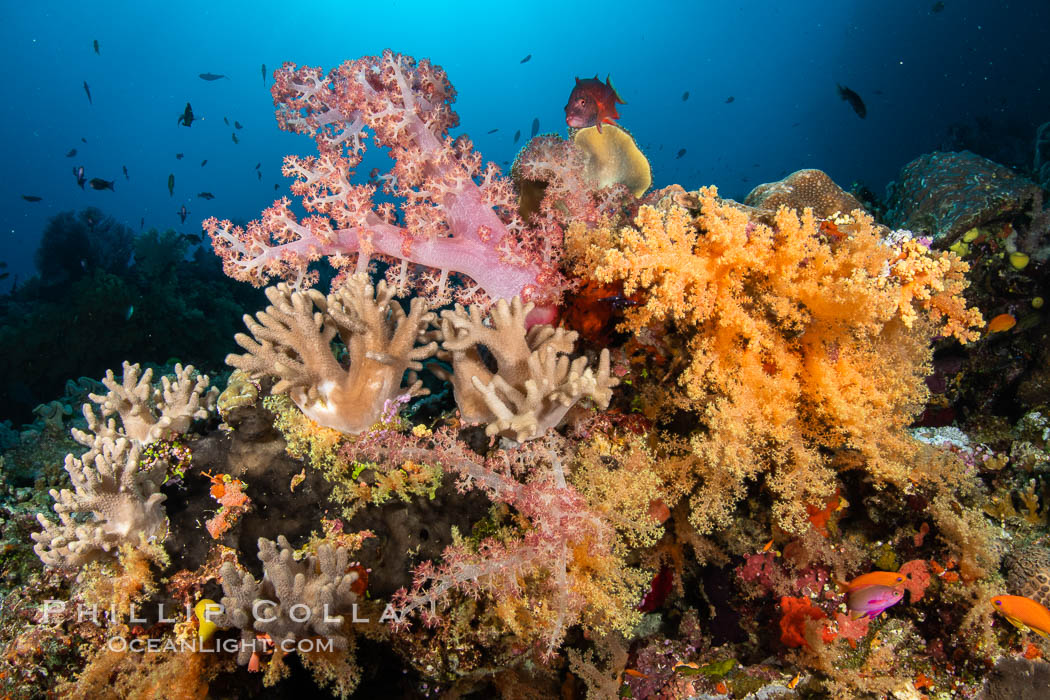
column 563, row 567
column 458, row 216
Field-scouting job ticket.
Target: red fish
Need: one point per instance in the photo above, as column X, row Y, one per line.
column 592, row 103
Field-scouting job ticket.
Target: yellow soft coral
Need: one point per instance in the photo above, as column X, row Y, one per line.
column 799, row 342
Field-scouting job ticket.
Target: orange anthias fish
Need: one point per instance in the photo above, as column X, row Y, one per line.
column 874, row 578
column 592, row 103
column 1001, row 323
column 1024, row 613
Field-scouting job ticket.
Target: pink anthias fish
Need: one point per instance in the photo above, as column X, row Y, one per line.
column 871, row 601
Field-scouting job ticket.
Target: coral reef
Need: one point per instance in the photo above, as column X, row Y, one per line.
column 802, row 189
column 664, row 445
column 147, row 413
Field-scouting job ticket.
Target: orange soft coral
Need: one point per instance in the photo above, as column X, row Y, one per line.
column 796, row 613
column 796, row 343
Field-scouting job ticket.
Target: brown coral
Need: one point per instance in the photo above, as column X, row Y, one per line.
column 123, row 504
column 534, row 383
column 147, row 413
column 1029, row 573
column 291, row 341
column 801, row 189
column 945, row 194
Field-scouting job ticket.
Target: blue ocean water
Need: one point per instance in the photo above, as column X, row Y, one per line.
column 931, row 75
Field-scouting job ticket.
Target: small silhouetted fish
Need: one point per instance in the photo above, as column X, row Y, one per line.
column 194, row 238
column 96, row 46
column 258, row 165
column 730, row 99
column 854, row 101
column 142, row 223
column 83, row 139
column 517, row 135
column 878, row 92
column 72, row 152
column 212, row 76
column 126, row 176
column 685, row 96
column 619, row 301
column 186, row 118
column 795, row 124
column 937, row 7
column 182, row 213
column 31, row 198
column 235, row 138
column 5, row 276
column 225, row 119
column 259, row 173
column 526, row 59
column 264, row 73
column 276, row 186
column 492, row 131
column 206, row 195
column 681, row 152
column 88, row 91
column 100, row 184
column 237, row 125
column 535, row 126
column 130, row 311
column 178, row 156
column 204, row 162
column 78, row 173
column 171, row 185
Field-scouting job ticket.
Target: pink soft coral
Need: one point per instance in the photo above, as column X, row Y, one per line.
column 457, row 216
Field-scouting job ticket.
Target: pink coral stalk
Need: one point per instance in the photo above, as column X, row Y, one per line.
column 458, row 218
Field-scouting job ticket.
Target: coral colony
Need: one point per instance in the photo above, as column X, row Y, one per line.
column 554, row 431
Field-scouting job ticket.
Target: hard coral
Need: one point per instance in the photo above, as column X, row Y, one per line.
column 796, row 343
column 945, row 194
column 801, row 189
column 292, row 342
column 613, row 158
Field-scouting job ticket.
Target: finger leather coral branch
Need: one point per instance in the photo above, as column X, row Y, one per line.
column 294, row 600
column 535, row 383
column 123, row 500
column 292, row 341
column 147, row 413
